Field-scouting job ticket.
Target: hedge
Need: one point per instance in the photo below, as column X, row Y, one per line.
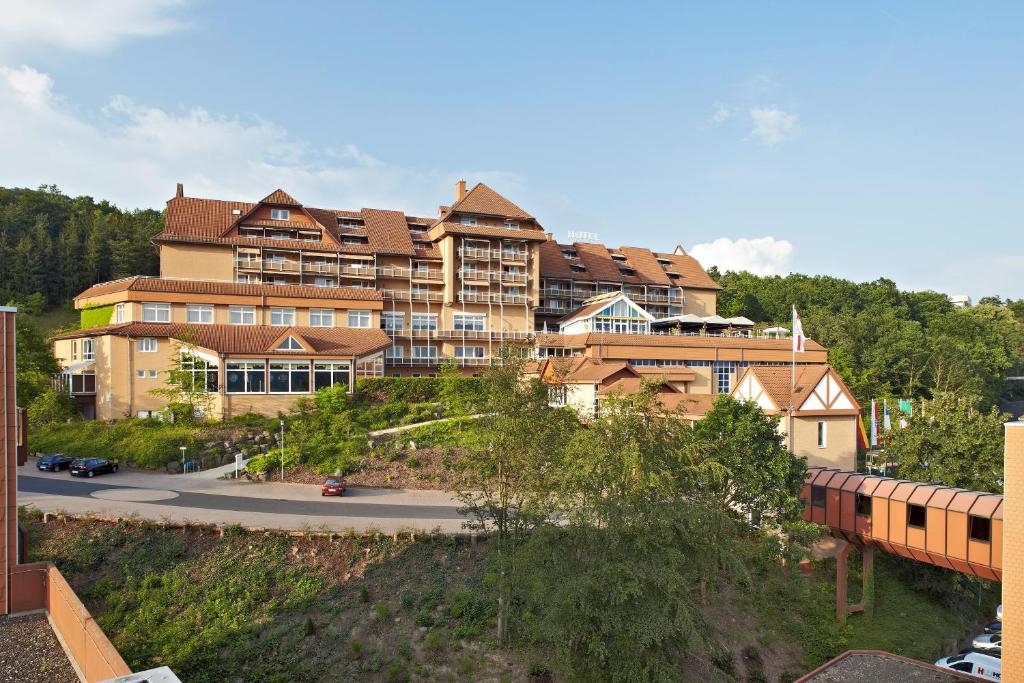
column 140, row 442
column 410, row 389
column 97, row 316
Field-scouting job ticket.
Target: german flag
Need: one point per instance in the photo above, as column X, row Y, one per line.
column 862, row 434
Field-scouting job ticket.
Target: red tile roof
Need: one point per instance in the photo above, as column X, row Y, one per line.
column 445, row 227
column 776, row 381
column 251, row 339
column 691, row 273
column 482, row 199
column 281, row 198
column 388, row 232
column 669, row 340
column 153, row 284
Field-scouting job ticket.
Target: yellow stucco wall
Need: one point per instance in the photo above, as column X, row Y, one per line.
column 841, row 441
column 197, row 262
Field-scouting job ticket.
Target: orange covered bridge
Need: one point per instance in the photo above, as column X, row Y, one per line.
column 948, row 527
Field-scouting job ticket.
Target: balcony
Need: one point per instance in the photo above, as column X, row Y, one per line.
column 397, row 272
column 407, row 295
column 358, row 271
column 490, row 298
column 434, row 361
column 313, row 267
column 482, row 335
column 482, row 254
column 281, row 266
column 247, row 264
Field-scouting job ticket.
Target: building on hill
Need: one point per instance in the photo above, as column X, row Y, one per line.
column 272, row 299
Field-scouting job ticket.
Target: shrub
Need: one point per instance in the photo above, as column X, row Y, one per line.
column 381, row 610
column 51, row 406
column 141, row 442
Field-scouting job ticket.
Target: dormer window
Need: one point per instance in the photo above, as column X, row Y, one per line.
column 512, row 225
column 289, row 344
column 578, row 268
column 569, row 253
column 627, row 271
column 350, row 223
column 353, row 239
column 665, row 262
column 619, row 257
column 468, row 220
column 280, row 214
column 672, row 274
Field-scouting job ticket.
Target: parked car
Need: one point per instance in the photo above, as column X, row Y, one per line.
column 993, row 652
column 995, row 627
column 54, row 462
column 333, row 487
column 974, row 663
column 999, row 613
column 90, row 467
column 988, row 641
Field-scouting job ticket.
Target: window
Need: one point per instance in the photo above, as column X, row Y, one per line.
column 821, row 433
column 557, row 395
column 88, row 352
column 469, row 322
column 141, row 374
column 83, row 384
column 323, row 282
column 280, row 214
column 818, row 496
column 469, row 352
column 247, row 279
column 512, row 225
column 289, row 377
column 394, row 352
column 242, row 315
column 199, row 313
column 290, row 343
column 321, row 317
column 863, row 504
column 282, row 316
column 156, row 313
column 198, row 374
column 330, row 374
column 74, row 349
column 424, row 322
column 245, row 377
column 468, row 220
column 119, row 313
column 916, row 516
column 392, row 322
column 723, row 375
column 981, row 529
column 358, row 318
column 424, row 352
column 146, row 344
column 152, row 374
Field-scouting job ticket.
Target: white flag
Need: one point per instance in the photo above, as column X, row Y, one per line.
column 798, row 332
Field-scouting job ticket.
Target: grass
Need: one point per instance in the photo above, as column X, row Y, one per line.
column 141, row 442
column 269, row 607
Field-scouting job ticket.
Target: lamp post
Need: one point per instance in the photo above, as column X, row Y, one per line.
column 282, row 449
column 182, row 449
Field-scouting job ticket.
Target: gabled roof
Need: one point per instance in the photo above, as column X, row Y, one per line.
column 631, row 385
column 388, row 232
column 596, row 304
column 483, row 200
column 280, row 198
column 580, row 370
column 777, row 383
column 449, row 228
column 140, row 283
column 252, row 339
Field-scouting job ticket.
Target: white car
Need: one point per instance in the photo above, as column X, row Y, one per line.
column 974, row 663
column 999, row 613
column 988, row 641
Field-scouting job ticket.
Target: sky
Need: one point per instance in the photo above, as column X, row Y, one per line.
column 861, row 140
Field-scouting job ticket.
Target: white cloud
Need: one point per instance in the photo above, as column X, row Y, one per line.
column 133, row 154
column 771, row 125
column 760, row 255
column 85, row 25
column 721, row 114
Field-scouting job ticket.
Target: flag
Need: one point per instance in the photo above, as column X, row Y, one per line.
column 862, row 434
column 875, row 422
column 906, row 407
column 886, row 420
column 798, row 332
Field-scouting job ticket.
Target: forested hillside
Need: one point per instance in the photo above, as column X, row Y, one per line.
column 57, row 246
column 887, row 342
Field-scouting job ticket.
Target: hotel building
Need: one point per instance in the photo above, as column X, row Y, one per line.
column 274, row 299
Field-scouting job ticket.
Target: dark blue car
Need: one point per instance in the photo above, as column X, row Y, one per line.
column 90, row 467
column 54, row 462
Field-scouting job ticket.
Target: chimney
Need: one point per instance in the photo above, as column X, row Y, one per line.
column 181, row 190
column 460, row 190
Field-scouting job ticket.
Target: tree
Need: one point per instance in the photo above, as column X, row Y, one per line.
column 759, row 475
column 951, row 441
column 190, row 385
column 507, row 488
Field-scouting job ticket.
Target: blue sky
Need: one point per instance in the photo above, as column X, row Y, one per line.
column 859, row 141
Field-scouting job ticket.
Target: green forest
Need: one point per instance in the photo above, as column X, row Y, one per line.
column 883, row 341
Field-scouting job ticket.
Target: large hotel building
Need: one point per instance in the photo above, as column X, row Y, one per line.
column 274, row 299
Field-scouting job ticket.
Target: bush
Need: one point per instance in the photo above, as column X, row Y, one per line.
column 51, row 406
column 142, row 442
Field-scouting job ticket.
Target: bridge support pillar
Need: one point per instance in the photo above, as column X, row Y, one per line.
column 868, row 575
column 841, row 570
column 867, row 604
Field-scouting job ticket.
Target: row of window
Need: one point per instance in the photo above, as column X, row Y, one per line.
column 88, row 349
column 427, row 322
column 202, row 314
column 430, row 352
column 260, row 377
column 917, row 515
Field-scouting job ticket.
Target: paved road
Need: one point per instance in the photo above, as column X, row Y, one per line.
column 287, row 506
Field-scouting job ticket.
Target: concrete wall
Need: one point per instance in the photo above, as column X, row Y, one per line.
column 1013, row 553
column 41, row 586
column 841, row 441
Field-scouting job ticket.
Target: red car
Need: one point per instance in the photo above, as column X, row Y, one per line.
column 333, row 487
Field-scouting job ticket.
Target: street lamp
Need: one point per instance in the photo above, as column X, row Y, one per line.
column 182, row 449
column 282, row 449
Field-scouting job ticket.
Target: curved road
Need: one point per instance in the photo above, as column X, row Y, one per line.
column 198, row 499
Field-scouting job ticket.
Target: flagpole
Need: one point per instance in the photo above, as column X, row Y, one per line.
column 792, row 382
